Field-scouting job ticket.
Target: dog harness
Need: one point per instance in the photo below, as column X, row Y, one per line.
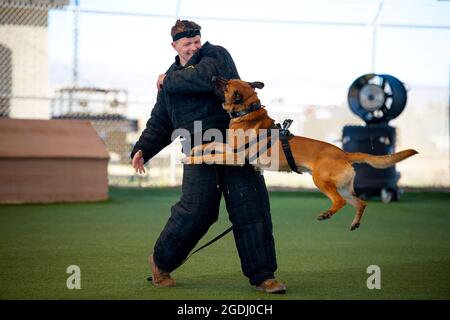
column 285, row 135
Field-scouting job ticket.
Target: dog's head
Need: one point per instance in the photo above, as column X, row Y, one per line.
column 238, row 95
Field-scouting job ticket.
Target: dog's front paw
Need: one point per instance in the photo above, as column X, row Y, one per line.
column 325, row 215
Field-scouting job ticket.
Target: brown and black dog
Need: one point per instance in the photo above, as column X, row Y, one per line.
column 331, row 167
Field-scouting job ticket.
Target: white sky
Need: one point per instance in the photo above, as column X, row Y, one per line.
column 302, row 63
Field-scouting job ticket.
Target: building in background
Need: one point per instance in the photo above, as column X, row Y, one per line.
column 25, row 91
column 105, row 109
column 24, row 67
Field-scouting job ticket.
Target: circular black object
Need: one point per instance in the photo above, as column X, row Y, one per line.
column 377, row 98
column 376, row 139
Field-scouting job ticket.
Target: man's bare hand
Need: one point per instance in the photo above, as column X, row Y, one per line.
column 160, row 81
column 138, row 162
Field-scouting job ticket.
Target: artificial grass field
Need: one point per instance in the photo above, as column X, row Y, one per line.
column 409, row 240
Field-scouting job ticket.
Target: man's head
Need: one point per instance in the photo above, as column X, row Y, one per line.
column 186, row 39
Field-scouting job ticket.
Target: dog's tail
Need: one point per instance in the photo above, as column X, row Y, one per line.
column 380, row 162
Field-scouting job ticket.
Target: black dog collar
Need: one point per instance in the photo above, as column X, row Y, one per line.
column 253, row 107
column 188, row 34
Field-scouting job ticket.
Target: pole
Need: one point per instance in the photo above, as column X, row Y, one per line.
column 177, row 13
column 75, row 44
column 75, row 53
column 374, row 35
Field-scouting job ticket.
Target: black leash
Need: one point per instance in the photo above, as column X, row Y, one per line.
column 209, row 242
column 203, row 246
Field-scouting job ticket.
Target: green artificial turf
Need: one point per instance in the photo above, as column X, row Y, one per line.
column 409, row 241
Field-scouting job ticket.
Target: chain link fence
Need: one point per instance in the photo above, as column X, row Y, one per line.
column 27, row 89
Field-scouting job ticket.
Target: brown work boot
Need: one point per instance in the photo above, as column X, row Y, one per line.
column 271, row 286
column 160, row 278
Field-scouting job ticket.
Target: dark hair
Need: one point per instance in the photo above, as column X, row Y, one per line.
column 184, row 26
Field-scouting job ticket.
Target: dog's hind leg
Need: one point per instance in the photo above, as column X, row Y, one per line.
column 360, row 206
column 330, row 190
column 349, row 195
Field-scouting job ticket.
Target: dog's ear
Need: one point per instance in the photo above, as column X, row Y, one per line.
column 256, row 84
column 237, row 98
column 219, row 85
column 219, row 81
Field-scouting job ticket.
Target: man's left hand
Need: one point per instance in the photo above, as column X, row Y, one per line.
column 160, row 81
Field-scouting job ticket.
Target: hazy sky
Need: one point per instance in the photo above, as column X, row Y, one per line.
column 304, row 51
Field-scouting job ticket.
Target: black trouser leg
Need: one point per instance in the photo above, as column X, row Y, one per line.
column 248, row 206
column 190, row 218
